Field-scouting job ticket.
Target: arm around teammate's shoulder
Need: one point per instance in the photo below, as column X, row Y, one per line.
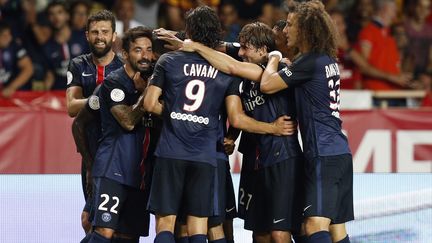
column 271, row 81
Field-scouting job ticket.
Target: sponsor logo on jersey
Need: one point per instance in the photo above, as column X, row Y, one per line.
column 189, row 117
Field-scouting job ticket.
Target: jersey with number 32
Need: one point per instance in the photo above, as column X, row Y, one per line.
column 193, row 93
column 316, row 80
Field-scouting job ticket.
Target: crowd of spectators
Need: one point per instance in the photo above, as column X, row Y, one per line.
column 384, row 44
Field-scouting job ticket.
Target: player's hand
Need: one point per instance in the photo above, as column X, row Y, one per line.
column 169, row 36
column 229, row 146
column 286, row 61
column 188, row 45
column 284, row 126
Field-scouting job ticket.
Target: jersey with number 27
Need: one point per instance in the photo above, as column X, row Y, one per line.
column 193, row 92
column 316, row 80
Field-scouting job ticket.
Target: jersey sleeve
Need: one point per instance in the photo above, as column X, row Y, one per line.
column 234, row 88
column 113, row 93
column 158, row 77
column 298, row 73
column 73, row 74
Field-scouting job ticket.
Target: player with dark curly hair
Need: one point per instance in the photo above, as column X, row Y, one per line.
column 316, row 79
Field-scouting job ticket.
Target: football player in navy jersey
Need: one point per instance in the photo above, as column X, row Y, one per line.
column 316, row 79
column 16, row 67
column 264, row 184
column 63, row 45
column 119, row 203
column 85, row 72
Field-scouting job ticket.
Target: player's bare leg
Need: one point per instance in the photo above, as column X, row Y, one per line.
column 317, row 227
column 262, row 237
column 215, row 233
column 278, row 236
column 338, row 233
column 165, row 228
column 165, row 223
column 197, row 229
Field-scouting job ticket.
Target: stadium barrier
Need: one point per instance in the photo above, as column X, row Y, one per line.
column 35, row 137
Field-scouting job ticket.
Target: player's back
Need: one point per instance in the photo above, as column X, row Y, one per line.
column 193, row 92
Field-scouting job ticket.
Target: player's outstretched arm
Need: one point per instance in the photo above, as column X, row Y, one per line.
column 238, row 119
column 151, row 100
column 224, row 62
column 271, row 81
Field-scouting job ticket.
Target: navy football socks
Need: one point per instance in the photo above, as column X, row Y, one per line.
column 300, row 238
column 124, row 240
column 164, row 237
column 344, row 240
column 182, row 240
column 198, row 239
column 320, row 237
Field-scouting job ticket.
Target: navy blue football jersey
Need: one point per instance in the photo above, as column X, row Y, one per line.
column 269, row 149
column 274, row 149
column 9, row 58
column 120, row 151
column 84, row 73
column 193, row 93
column 58, row 56
column 317, row 90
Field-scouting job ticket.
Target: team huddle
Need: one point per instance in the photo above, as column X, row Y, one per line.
column 155, row 129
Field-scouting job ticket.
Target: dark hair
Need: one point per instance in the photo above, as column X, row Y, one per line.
column 318, row 32
column 280, row 25
column 103, row 15
column 76, row 3
column 57, row 3
column 4, row 26
column 203, row 25
column 132, row 34
column 258, row 35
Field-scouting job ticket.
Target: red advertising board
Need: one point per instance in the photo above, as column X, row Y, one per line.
column 35, row 137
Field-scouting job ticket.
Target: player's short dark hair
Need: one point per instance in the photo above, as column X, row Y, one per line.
column 132, row 34
column 258, row 35
column 103, row 15
column 56, row 3
column 316, row 29
column 203, row 25
column 280, row 25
